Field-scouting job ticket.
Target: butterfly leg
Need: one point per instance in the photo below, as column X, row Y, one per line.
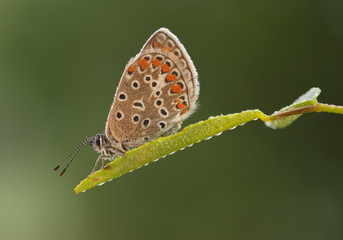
column 103, row 163
column 118, row 152
column 96, row 164
column 123, row 147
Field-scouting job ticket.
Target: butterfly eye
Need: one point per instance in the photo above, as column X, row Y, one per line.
column 97, row 142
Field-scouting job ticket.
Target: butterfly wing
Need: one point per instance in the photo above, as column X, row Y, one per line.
column 165, row 41
column 157, row 91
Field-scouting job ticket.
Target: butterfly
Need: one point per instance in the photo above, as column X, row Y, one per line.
column 157, row 91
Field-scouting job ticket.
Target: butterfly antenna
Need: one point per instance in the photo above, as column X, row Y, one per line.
column 58, row 166
column 73, row 155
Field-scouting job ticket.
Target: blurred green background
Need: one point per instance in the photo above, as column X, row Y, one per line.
column 60, row 62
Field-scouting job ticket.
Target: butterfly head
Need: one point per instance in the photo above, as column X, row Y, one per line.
column 99, row 142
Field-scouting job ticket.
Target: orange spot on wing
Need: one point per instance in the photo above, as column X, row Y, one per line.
column 165, row 49
column 170, row 77
column 165, row 68
column 132, row 68
column 143, row 64
column 155, row 44
column 180, row 105
column 176, row 88
column 156, row 62
column 183, row 111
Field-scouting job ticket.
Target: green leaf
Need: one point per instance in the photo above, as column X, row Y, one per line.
column 306, row 100
column 164, row 146
column 200, row 131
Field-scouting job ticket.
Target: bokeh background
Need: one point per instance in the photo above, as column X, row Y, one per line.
column 60, row 62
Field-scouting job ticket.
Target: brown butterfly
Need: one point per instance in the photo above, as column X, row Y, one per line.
column 157, row 92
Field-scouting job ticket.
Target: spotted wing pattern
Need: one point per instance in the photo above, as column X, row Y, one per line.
column 157, row 91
